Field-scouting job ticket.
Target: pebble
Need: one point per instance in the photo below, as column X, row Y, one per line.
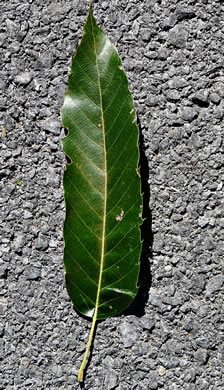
column 178, row 37
column 52, row 126
column 169, row 22
column 153, row 385
column 27, row 214
column 52, row 179
column 41, row 243
column 23, row 78
column 198, row 283
column 188, row 325
column 45, row 61
column 147, row 323
column 11, row 26
column 201, row 98
column 201, row 355
column 128, row 333
column 111, row 380
column 173, row 301
column 177, row 82
column 161, row 370
column 215, row 98
column 33, row 273
column 214, row 285
column 188, row 114
column 196, row 140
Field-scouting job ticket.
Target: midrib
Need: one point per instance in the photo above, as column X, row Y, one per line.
column 105, row 183
column 82, row 367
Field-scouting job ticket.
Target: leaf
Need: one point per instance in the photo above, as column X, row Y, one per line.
column 102, row 183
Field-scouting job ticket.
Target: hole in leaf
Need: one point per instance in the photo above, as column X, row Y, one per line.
column 68, row 160
column 66, row 131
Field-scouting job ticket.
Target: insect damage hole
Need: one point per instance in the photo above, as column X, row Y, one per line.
column 120, row 217
column 66, row 131
column 68, row 159
column 121, row 67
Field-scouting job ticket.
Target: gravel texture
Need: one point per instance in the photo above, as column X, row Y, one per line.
column 172, row 53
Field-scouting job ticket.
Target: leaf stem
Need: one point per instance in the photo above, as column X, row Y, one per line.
column 82, row 367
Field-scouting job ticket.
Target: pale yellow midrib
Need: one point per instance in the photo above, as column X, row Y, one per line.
column 105, row 186
column 82, row 367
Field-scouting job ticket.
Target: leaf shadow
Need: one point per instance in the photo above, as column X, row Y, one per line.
column 137, row 307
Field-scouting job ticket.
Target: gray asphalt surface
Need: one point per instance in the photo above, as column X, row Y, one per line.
column 173, row 55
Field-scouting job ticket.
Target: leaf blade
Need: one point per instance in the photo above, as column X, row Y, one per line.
column 102, row 236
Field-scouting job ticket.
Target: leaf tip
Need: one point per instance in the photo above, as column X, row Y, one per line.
column 90, row 5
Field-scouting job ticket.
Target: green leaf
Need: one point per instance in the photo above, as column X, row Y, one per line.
column 102, row 183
